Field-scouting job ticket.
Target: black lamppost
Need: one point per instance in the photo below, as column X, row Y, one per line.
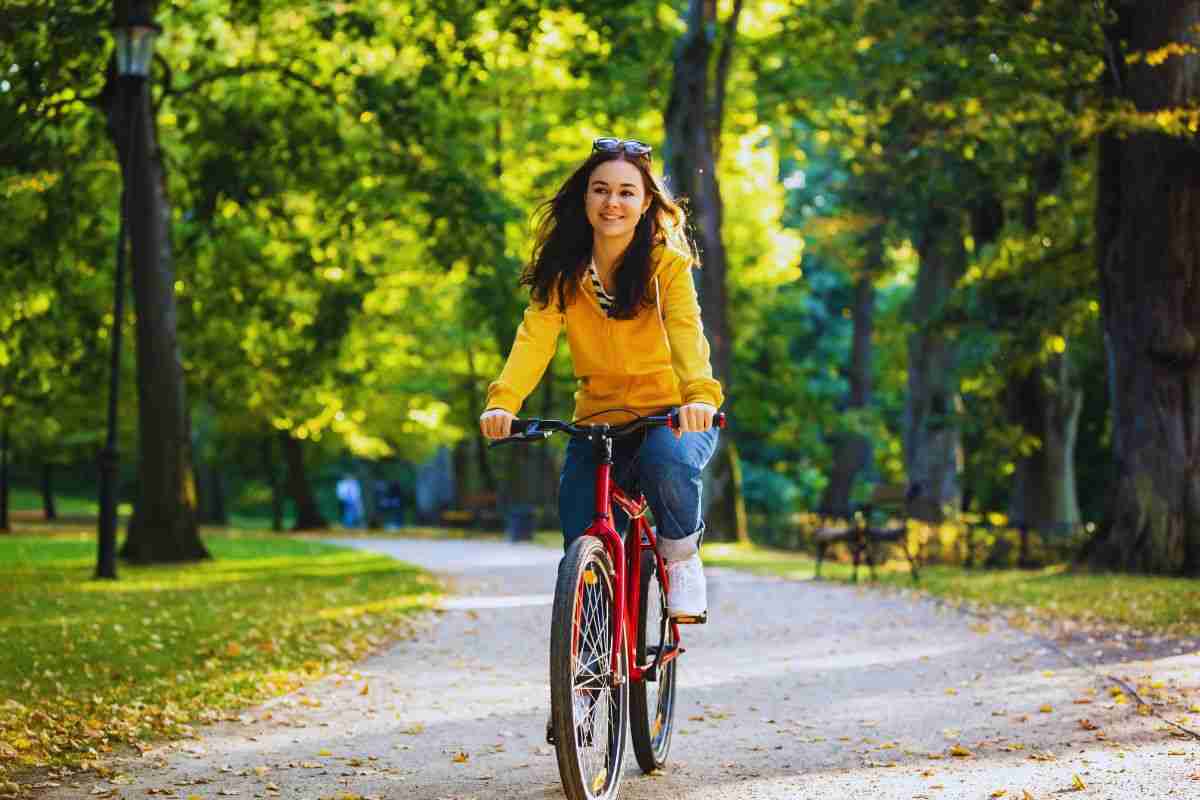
column 134, row 50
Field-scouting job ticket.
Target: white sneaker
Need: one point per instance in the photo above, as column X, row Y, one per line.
column 687, row 597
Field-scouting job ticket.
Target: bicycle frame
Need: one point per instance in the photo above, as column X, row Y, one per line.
column 627, row 565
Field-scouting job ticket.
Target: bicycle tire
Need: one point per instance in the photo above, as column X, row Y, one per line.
column 588, row 711
column 653, row 722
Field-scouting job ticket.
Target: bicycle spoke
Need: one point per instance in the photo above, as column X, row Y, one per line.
column 593, row 705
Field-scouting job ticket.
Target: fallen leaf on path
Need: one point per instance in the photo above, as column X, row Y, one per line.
column 1025, row 795
column 998, row 793
column 960, row 751
column 1046, row 708
column 1077, row 783
column 598, row 781
column 1088, row 725
column 460, row 757
column 366, row 688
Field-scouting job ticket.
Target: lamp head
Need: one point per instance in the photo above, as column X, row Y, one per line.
column 134, row 39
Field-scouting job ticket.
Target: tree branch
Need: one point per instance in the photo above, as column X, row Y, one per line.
column 722, row 77
column 287, row 73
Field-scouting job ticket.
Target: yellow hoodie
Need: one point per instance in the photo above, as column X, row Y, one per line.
column 656, row 360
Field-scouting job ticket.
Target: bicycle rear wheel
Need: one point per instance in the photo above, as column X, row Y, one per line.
column 589, row 705
column 652, row 702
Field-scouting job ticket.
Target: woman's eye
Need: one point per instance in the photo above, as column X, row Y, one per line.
column 627, row 194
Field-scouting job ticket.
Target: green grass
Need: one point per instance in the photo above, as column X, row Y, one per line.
column 88, row 666
column 1164, row 605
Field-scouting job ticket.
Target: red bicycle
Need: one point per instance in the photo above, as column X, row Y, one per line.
column 613, row 649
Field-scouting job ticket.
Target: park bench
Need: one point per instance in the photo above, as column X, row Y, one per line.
column 1065, row 536
column 883, row 519
column 477, row 511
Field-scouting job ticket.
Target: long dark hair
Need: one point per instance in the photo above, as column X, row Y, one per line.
column 563, row 240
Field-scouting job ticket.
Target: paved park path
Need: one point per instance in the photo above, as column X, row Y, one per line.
column 793, row 690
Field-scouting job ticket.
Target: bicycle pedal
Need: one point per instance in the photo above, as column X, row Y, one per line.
column 691, row 619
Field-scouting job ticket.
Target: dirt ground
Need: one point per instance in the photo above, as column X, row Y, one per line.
column 793, row 690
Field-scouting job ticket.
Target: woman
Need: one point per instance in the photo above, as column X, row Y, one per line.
column 612, row 264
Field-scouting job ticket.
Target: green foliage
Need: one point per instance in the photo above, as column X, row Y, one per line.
column 102, row 664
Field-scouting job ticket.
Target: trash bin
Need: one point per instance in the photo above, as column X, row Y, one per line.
column 519, row 520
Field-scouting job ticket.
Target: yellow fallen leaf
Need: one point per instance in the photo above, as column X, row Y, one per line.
column 325, row 752
column 998, row 793
column 415, row 729
column 460, row 757
column 365, row 689
column 952, row 691
column 1115, row 691
column 1025, row 795
column 1144, row 710
column 1176, row 753
column 598, row 781
column 1194, row 708
column 1046, row 708
column 233, row 649
column 1077, row 783
column 1047, row 673
column 1088, row 725
column 960, row 751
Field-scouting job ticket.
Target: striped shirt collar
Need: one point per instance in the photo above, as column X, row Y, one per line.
column 607, row 301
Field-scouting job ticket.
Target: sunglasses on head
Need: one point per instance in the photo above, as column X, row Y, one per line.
column 611, row 144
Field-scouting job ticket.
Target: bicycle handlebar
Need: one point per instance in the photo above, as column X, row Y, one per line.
column 536, row 430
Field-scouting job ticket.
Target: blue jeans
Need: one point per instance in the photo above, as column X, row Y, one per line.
column 666, row 469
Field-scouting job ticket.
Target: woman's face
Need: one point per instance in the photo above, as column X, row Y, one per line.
column 616, row 198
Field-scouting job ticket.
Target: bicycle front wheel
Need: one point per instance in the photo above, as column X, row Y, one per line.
column 652, row 701
column 589, row 703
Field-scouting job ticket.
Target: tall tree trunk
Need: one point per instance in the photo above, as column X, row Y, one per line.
column 5, row 527
column 1148, row 253
column 163, row 528
column 932, row 441
column 49, row 511
column 692, row 172
column 268, row 459
column 211, row 495
column 308, row 516
column 481, row 451
column 1046, row 404
column 852, row 450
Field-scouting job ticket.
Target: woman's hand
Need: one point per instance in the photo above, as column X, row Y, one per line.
column 496, row 423
column 695, row 417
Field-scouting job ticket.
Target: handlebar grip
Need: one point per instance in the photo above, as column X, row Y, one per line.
column 519, row 426
column 719, row 420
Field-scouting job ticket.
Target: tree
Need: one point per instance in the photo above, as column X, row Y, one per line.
column 693, row 122
column 1147, row 214
column 163, row 528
